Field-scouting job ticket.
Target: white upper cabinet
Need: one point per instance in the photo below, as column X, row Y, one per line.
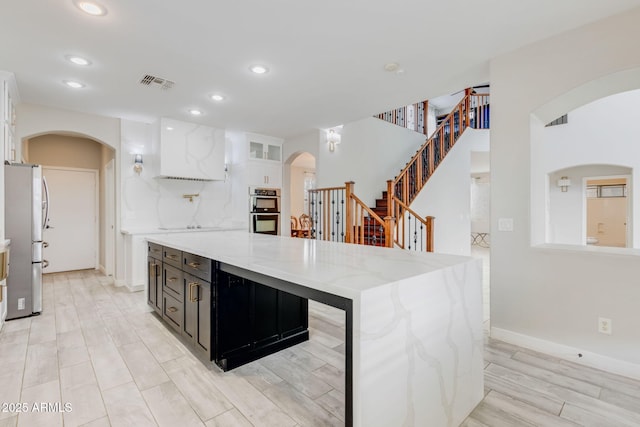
column 265, row 161
column 265, row 151
column 189, row 150
column 7, row 115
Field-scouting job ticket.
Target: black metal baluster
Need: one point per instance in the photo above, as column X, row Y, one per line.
column 319, row 229
column 342, row 230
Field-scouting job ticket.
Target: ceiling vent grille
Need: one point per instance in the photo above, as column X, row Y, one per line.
column 149, row 80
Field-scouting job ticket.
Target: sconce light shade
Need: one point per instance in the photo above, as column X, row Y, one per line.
column 333, row 138
column 137, row 163
column 564, row 183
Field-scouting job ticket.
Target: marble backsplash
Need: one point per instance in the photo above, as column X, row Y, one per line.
column 149, row 202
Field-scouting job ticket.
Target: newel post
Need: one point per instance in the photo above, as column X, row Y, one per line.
column 390, row 195
column 430, row 220
column 389, row 228
column 348, row 220
column 467, row 106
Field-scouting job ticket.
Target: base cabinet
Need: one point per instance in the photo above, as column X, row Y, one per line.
column 198, row 313
column 254, row 320
column 154, row 278
column 231, row 319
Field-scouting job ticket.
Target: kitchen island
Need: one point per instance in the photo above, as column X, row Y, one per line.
column 413, row 320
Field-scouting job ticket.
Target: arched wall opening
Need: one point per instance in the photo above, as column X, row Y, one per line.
column 599, row 134
column 299, row 177
column 76, row 157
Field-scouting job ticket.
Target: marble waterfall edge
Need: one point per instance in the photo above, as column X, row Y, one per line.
column 421, row 349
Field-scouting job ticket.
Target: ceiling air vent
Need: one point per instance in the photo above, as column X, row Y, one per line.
column 149, row 80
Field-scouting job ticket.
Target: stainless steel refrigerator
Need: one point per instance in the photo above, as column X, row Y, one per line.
column 26, row 207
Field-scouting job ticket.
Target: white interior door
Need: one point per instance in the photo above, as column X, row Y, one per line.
column 73, row 219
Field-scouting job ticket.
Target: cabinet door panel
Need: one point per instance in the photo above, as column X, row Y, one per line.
column 190, row 325
column 293, row 314
column 233, row 321
column 203, row 339
column 154, row 284
column 265, row 314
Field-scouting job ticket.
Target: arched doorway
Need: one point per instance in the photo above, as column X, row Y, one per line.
column 81, row 180
column 302, row 177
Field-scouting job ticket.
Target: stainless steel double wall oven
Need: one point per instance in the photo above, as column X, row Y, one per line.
column 264, row 210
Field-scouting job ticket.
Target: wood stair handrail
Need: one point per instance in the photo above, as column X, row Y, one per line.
column 427, row 222
column 465, row 101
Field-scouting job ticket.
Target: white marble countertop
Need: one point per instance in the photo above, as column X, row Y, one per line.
column 5, row 244
column 168, row 230
column 341, row 269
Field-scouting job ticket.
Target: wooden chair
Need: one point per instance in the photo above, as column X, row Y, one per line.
column 295, row 229
column 305, row 225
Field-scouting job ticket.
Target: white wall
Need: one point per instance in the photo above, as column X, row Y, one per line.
column 447, row 195
column 371, row 152
column 548, row 297
column 480, row 202
column 601, row 132
column 34, row 120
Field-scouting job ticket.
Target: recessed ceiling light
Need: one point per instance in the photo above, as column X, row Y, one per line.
column 259, row 69
column 91, row 7
column 73, row 84
column 217, row 97
column 78, row 60
column 195, row 112
column 391, row 66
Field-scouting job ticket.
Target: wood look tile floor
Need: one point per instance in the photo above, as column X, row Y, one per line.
column 100, row 349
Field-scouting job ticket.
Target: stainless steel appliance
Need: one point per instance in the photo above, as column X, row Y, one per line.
column 26, row 213
column 264, row 210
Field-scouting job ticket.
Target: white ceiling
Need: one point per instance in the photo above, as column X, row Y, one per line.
column 326, row 58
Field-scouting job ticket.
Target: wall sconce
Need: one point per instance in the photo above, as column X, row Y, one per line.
column 564, row 183
column 333, row 138
column 137, row 163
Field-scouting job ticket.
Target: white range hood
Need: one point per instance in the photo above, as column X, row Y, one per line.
column 189, row 151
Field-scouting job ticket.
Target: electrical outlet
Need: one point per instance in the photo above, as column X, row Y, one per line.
column 604, row 325
column 20, row 303
column 505, row 224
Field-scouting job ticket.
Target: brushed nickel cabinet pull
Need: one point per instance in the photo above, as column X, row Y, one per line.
column 172, row 279
column 172, row 256
column 194, row 264
column 172, row 309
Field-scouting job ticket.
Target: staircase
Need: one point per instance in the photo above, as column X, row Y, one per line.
column 339, row 215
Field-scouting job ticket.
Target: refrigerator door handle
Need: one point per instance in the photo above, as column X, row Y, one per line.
column 45, row 203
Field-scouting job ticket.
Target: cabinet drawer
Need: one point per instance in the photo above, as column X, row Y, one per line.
column 198, row 266
column 172, row 311
column 172, row 256
column 155, row 251
column 173, row 282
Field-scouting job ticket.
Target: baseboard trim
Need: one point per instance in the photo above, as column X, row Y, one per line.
column 593, row 360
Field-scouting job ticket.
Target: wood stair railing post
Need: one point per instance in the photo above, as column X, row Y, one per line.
column 425, row 114
column 349, row 214
column 390, row 213
column 429, row 220
column 390, row 197
column 389, row 226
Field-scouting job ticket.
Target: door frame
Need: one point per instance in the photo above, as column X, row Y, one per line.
column 96, row 222
column 629, row 228
column 109, row 219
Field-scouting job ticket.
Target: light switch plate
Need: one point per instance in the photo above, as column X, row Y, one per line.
column 505, row 224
